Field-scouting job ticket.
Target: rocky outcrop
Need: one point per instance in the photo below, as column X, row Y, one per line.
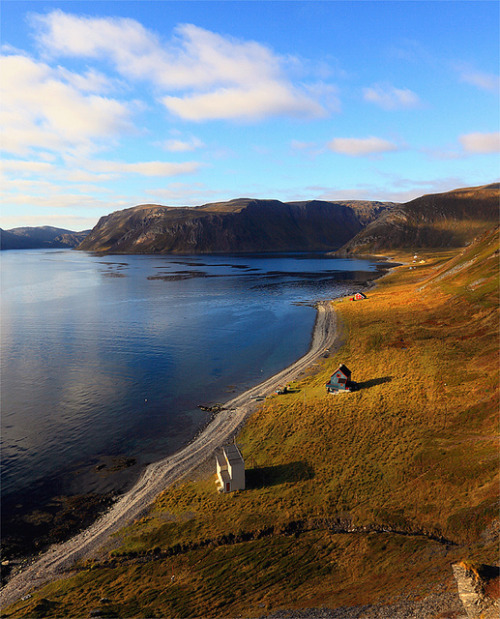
column 70, row 239
column 478, row 589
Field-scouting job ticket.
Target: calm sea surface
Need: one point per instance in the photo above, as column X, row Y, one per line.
column 108, row 357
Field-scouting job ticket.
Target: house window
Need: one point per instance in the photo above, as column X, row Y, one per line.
column 342, row 381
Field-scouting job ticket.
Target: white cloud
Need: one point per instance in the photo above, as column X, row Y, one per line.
column 186, row 194
column 485, row 81
column 41, row 111
column 327, row 93
column 26, row 167
column 90, row 81
column 194, row 57
column 252, row 103
column 480, row 79
column 358, row 147
column 225, row 78
column 446, row 153
column 393, row 189
column 390, row 98
column 334, row 194
column 213, row 59
column 85, row 171
column 309, row 150
column 78, row 175
column 481, row 142
column 54, row 197
column 299, row 145
column 183, row 146
column 60, row 220
column 145, row 168
column 19, row 186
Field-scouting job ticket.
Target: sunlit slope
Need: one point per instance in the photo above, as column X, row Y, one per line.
column 351, row 499
column 449, row 219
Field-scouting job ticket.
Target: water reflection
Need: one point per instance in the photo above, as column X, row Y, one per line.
column 112, row 355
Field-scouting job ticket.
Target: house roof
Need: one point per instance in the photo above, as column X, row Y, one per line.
column 233, row 454
column 220, row 460
column 344, row 369
column 224, row 477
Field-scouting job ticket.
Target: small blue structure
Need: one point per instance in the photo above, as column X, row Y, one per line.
column 340, row 380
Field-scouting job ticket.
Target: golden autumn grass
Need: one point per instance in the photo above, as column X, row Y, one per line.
column 412, row 457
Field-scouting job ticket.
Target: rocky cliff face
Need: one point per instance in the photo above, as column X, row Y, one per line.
column 242, row 225
column 478, row 589
column 448, row 219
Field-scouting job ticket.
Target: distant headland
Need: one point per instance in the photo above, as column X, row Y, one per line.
column 349, row 227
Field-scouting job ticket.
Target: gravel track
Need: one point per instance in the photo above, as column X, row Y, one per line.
column 158, row 476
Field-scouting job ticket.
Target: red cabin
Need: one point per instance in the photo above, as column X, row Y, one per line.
column 359, row 296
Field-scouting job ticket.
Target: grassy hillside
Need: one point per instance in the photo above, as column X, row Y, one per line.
column 352, row 499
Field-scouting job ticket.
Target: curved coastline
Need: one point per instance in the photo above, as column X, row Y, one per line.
column 59, row 558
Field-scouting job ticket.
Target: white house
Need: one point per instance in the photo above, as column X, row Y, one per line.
column 230, row 469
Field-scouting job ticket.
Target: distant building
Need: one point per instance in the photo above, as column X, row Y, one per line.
column 340, row 380
column 359, row 296
column 230, row 469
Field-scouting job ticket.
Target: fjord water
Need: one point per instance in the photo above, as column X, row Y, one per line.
column 108, row 357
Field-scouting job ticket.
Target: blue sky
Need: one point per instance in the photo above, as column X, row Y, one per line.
column 111, row 104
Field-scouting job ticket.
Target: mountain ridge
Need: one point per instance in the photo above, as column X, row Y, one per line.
column 40, row 237
column 239, row 225
column 440, row 220
column 344, row 227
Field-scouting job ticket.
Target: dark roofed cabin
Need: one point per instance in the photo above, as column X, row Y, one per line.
column 340, row 380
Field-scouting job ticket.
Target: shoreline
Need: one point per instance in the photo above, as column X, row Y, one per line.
column 58, row 559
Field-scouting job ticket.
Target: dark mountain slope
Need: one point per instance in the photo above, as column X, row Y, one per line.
column 242, row 225
column 40, row 237
column 70, row 239
column 9, row 240
column 449, row 219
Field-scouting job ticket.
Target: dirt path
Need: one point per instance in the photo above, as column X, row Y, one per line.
column 159, row 475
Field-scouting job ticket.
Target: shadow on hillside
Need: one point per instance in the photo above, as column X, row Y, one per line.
column 373, row 382
column 265, row 476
